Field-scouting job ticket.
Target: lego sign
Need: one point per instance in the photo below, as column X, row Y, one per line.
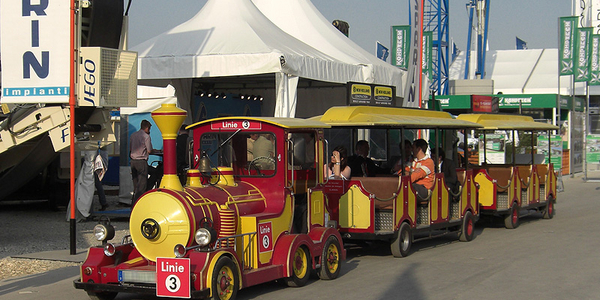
column 173, row 277
column 36, row 51
column 265, row 237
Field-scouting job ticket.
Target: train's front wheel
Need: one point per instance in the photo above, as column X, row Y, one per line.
column 225, row 280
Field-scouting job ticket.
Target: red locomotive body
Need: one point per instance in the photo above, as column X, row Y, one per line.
column 246, row 215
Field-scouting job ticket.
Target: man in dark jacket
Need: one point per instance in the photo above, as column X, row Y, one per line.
column 448, row 167
column 360, row 163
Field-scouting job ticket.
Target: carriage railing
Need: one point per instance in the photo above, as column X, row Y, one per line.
column 247, row 254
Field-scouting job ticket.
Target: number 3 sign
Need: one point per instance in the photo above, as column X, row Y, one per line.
column 173, row 277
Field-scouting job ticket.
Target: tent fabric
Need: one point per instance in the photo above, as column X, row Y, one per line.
column 302, row 20
column 150, row 98
column 233, row 38
column 533, row 71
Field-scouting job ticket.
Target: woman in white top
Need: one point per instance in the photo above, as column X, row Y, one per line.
column 338, row 167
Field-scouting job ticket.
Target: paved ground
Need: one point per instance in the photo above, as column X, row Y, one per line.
column 554, row 259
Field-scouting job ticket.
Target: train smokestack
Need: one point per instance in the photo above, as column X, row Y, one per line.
column 169, row 118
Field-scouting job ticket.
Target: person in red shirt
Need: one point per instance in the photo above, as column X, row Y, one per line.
column 422, row 171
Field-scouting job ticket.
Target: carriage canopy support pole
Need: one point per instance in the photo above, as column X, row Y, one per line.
column 73, row 223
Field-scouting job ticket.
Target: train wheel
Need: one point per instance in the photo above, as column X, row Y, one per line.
column 401, row 245
column 102, row 295
column 549, row 211
column 511, row 221
column 467, row 231
column 225, row 280
column 330, row 259
column 300, row 268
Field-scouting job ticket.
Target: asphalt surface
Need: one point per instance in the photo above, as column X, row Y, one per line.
column 552, row 259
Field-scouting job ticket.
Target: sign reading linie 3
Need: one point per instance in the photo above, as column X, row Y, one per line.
column 35, row 38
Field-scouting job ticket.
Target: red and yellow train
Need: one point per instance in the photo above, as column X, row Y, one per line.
column 258, row 205
column 232, row 225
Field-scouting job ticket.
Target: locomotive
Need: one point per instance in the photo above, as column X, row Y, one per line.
column 248, row 214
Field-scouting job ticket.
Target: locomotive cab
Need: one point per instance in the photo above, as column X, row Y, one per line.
column 246, row 215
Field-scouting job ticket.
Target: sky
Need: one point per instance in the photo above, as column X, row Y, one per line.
column 535, row 22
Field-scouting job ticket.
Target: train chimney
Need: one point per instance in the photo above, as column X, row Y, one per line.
column 169, row 118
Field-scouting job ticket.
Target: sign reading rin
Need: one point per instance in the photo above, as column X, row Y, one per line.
column 35, row 51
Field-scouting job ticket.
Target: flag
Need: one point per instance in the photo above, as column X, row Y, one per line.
column 582, row 54
column 400, row 45
column 521, row 44
column 595, row 60
column 382, row 51
column 568, row 27
column 427, row 52
column 455, row 51
column 414, row 83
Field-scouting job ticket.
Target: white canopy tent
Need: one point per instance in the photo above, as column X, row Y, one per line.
column 302, row 20
column 233, row 38
column 533, row 71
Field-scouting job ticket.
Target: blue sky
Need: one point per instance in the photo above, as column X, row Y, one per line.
column 370, row 20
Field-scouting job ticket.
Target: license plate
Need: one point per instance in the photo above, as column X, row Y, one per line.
column 134, row 276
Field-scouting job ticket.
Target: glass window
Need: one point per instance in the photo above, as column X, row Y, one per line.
column 248, row 153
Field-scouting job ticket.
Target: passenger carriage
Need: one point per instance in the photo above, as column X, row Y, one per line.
column 386, row 207
column 523, row 182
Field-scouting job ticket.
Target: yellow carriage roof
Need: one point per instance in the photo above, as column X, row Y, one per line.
column 281, row 122
column 372, row 116
column 509, row 122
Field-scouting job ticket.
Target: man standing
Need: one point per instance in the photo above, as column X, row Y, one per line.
column 140, row 147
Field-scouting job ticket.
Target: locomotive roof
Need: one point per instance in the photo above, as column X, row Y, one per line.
column 510, row 122
column 281, row 122
column 371, row 116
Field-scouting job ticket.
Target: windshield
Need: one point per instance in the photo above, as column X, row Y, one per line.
column 248, row 153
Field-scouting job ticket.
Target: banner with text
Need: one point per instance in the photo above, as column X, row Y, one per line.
column 568, row 27
column 400, row 45
column 594, row 61
column 413, row 88
column 427, row 52
column 35, row 38
column 582, row 54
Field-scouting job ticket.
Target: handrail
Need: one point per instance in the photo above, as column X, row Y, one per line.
column 326, row 161
column 291, row 146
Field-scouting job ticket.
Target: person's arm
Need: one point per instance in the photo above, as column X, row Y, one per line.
column 347, row 173
column 148, row 143
column 421, row 171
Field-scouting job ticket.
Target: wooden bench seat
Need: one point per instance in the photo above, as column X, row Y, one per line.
column 542, row 171
column 383, row 188
column 502, row 175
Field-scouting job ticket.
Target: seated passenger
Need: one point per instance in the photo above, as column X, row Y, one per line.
column 360, row 164
column 250, row 146
column 422, row 169
column 448, row 167
column 264, row 152
column 338, row 167
column 405, row 160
